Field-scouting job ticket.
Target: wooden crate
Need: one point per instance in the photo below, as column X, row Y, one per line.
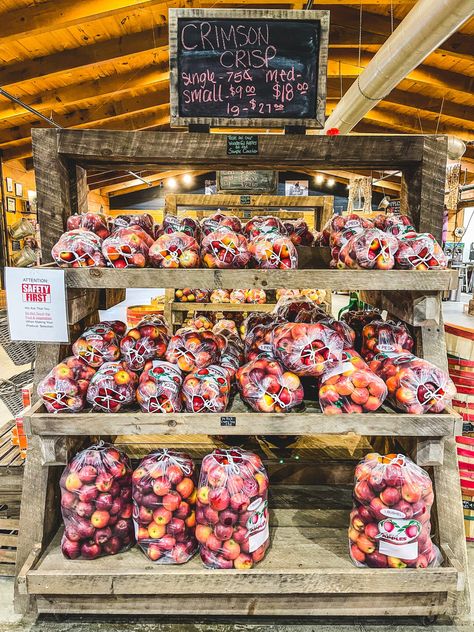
column 307, row 570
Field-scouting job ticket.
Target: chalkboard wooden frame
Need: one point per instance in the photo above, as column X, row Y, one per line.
column 176, row 120
column 268, row 187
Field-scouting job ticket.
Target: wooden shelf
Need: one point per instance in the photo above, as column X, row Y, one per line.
column 421, row 281
column 309, row 422
column 222, row 307
column 308, row 557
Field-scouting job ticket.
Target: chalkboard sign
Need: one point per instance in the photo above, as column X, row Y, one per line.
column 248, row 67
column 247, row 181
column 242, row 145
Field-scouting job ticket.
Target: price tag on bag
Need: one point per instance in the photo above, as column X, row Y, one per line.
column 36, row 300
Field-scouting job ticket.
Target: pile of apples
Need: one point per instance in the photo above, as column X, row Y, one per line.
column 232, row 525
column 147, row 341
column 206, row 390
column 414, row 385
column 100, row 343
column 224, row 248
column 175, row 250
column 351, row 387
column 358, row 319
column 299, row 309
column 220, row 296
column 189, row 295
column 159, row 387
column 299, row 232
column 307, row 349
column 127, row 248
column 78, row 248
column 385, row 336
column 64, row 388
column 420, row 252
column 164, row 500
column 390, row 523
column 112, row 387
column 397, row 225
column 268, row 387
column 258, row 336
column 96, row 503
column 353, row 225
column 192, row 350
column 264, row 226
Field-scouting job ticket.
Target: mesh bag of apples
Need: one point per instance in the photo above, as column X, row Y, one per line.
column 96, row 503
column 164, row 500
column 390, row 522
column 232, row 509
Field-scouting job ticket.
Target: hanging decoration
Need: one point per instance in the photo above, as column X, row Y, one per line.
column 360, row 194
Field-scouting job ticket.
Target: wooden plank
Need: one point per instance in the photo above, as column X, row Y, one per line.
column 111, row 297
column 338, row 280
column 81, row 302
column 329, row 604
column 430, row 452
column 9, row 523
column 415, row 308
column 222, row 307
column 247, row 423
column 7, row 570
column 217, row 201
column 166, row 149
column 317, row 562
column 7, row 555
column 8, row 540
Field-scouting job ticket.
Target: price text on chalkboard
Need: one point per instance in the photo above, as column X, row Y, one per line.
column 242, row 144
column 246, row 66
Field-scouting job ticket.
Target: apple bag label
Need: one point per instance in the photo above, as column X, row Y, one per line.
column 399, row 538
column 257, row 524
column 37, row 310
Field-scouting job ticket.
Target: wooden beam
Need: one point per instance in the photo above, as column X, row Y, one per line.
column 91, row 91
column 347, row 63
column 138, row 101
column 374, row 24
column 136, row 185
column 76, row 59
column 51, row 15
column 422, row 102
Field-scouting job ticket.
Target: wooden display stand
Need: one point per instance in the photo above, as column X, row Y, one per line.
column 307, row 570
column 315, row 209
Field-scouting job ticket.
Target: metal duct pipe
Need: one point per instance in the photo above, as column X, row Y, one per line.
column 428, row 24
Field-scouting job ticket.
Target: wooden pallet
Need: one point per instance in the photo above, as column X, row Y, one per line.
column 11, row 481
column 307, row 570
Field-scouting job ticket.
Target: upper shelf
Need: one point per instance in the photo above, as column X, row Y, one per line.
column 338, row 280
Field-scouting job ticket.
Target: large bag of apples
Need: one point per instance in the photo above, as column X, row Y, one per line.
column 232, row 509
column 147, row 341
column 351, row 387
column 95, row 222
column 390, row 523
column 159, row 387
column 385, row 336
column 100, row 343
column 192, row 350
column 127, row 248
column 306, row 348
column 79, row 248
column 370, row 249
column 175, row 250
column 274, row 252
column 140, row 220
column 64, row 389
column 174, row 224
column 206, row 390
column 112, row 387
column 164, row 501
column 415, row 386
column 96, row 503
column 420, row 252
column 224, row 249
column 268, row 387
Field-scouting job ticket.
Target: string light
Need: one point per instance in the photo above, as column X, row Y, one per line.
column 188, row 179
column 171, row 183
column 331, row 182
column 319, row 179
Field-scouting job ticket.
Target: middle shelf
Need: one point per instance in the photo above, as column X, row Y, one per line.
column 240, row 421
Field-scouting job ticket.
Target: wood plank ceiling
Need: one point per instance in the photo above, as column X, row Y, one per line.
column 104, row 64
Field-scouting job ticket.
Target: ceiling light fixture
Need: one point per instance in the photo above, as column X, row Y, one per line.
column 331, row 182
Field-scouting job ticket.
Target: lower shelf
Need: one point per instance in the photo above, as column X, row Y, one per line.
column 307, row 571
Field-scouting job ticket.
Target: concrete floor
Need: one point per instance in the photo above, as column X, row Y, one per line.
column 11, row 622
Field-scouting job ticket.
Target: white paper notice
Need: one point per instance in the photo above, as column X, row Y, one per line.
column 36, row 300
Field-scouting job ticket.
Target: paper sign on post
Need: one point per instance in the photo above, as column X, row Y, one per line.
column 36, row 300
